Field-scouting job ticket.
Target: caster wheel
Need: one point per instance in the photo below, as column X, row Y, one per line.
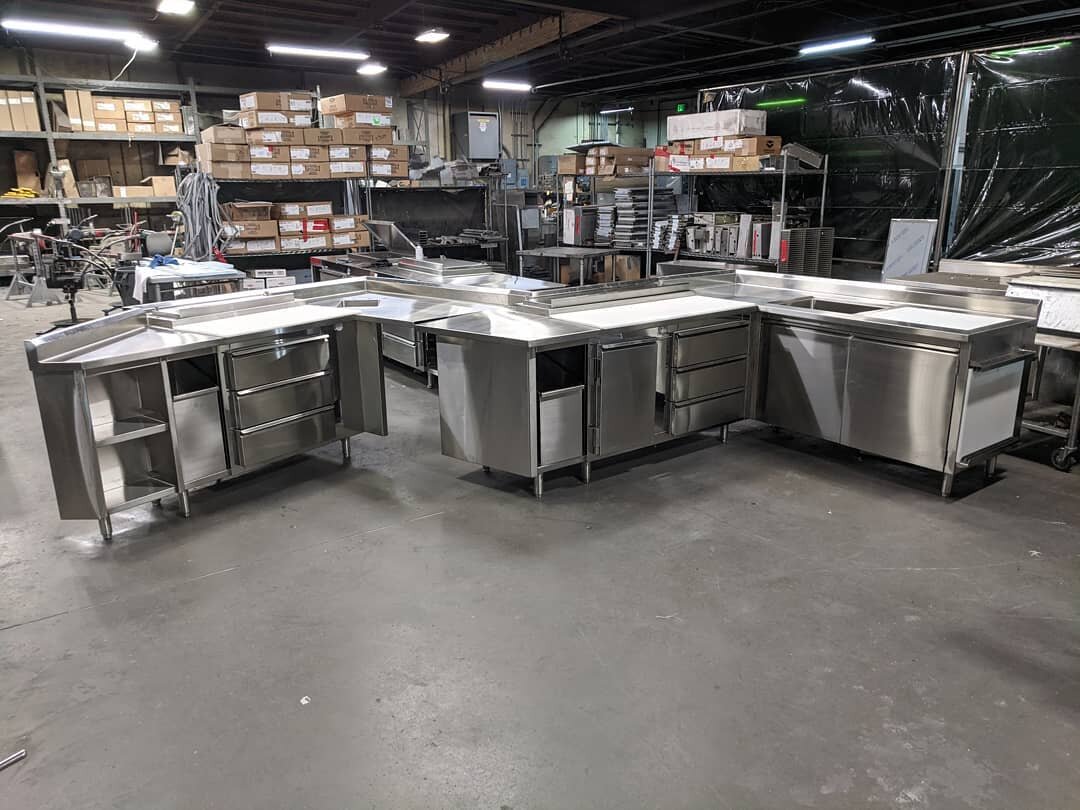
column 1062, row 459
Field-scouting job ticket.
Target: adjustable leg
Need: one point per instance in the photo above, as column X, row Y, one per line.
column 586, row 471
column 538, row 485
column 105, row 525
column 184, row 503
column 946, row 485
column 346, row 449
column 990, row 467
column 723, row 434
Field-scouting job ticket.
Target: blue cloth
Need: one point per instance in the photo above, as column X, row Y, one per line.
column 160, row 260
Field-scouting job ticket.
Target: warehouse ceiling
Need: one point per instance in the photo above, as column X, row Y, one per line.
column 598, row 48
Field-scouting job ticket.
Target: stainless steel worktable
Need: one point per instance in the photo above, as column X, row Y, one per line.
column 582, row 256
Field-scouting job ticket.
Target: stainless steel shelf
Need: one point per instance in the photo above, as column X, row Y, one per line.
column 123, row 136
column 136, row 492
column 20, row 135
column 69, row 201
column 125, row 430
column 233, row 256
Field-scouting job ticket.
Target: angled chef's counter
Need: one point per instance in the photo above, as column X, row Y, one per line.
column 163, row 399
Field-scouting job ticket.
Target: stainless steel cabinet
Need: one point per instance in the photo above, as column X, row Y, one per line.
column 199, row 438
column 562, row 417
column 899, row 401
column 804, row 381
column 626, row 396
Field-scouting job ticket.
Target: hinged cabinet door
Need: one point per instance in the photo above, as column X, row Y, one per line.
column 362, row 390
column 627, row 396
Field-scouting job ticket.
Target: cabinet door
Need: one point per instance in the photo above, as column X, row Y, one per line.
column 899, row 400
column 627, row 396
column 804, row 388
column 361, row 389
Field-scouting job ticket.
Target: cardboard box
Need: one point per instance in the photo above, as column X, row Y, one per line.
column 265, row 244
column 300, row 227
column 168, row 129
column 161, row 185
column 27, row 174
column 357, row 119
column 355, row 102
column 223, row 134
column 167, row 118
column 161, row 105
column 15, row 107
column 238, row 247
column 300, row 210
column 275, row 137
column 269, row 272
column 623, row 152
column 613, row 169
column 305, row 154
column 30, row 111
column 71, row 104
column 138, row 105
column 248, row 211
column 261, row 119
column 713, row 124
column 745, row 146
column 297, row 101
column 133, row 191
column 112, row 125
column 346, row 153
column 388, row 169
column 345, row 224
column 363, row 136
column 287, row 281
column 230, row 152
column 395, row 154
column 276, row 102
column 323, row 137
column 139, row 117
column 351, row 240
column 317, row 242
column 177, row 156
column 86, row 109
column 5, row 114
column 268, row 171
column 142, row 129
column 623, row 268
column 226, row 171
column 254, row 229
column 310, row 170
column 348, row 168
column 571, row 164
column 684, row 163
column 746, row 164
column 87, row 169
column 268, row 154
column 252, row 283
column 107, row 108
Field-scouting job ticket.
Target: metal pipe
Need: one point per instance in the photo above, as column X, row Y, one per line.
column 16, row 757
column 949, row 153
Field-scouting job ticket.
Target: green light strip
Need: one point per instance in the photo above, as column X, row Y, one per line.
column 780, row 102
column 1049, row 46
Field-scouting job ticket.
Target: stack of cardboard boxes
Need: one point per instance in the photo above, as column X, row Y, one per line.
column 273, row 124
column 721, row 141
column 268, row 279
column 262, row 227
column 253, row 228
column 617, row 160
column 18, row 111
column 354, row 119
column 140, row 116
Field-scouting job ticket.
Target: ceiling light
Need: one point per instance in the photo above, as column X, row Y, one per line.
column 836, row 45
column 500, row 84
column 432, row 35
column 371, row 69
column 133, row 39
column 780, row 102
column 618, row 110
column 176, row 6
column 318, row 53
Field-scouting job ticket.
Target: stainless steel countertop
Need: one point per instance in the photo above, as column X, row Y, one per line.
column 408, row 310
column 502, row 325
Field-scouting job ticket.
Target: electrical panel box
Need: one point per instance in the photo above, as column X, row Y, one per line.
column 476, row 135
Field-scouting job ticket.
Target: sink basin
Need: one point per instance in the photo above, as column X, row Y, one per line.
column 830, row 305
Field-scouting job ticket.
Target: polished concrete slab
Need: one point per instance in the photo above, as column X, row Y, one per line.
column 771, row 623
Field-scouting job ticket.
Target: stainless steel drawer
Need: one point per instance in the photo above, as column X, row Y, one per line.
column 692, row 348
column 281, row 360
column 400, row 350
column 707, row 413
column 707, row 380
column 285, row 438
column 405, row 331
column 256, row 406
column 561, row 419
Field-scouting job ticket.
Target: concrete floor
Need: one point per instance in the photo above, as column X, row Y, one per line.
column 768, row 624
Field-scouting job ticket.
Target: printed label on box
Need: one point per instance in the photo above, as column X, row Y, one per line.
column 301, row 243
column 299, row 153
column 324, row 210
column 271, row 169
column 344, row 224
column 301, row 104
column 344, row 239
column 261, row 245
column 347, row 167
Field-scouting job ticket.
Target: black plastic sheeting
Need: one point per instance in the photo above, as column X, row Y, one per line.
column 1019, row 196
column 440, row 212
column 884, row 129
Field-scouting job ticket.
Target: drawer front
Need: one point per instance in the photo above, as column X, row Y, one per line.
column 561, row 424
column 283, row 360
column 281, row 401
column 405, row 331
column 286, row 438
column 695, row 348
column 707, row 413
column 399, row 350
column 708, row 380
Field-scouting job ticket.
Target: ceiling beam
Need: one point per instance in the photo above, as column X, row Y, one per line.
column 540, row 33
column 378, row 12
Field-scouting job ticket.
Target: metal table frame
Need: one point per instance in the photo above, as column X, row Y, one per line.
column 1068, row 454
column 582, row 256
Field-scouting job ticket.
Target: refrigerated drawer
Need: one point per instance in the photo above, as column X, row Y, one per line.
column 286, row 437
column 694, row 347
column 707, row 380
column 280, row 360
column 706, row 413
column 270, row 403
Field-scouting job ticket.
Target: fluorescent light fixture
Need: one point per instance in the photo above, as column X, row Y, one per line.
column 176, row 6
column 133, row 39
column 780, row 102
column 432, row 35
column 371, row 69
column 836, row 45
column 1046, row 46
column 318, row 53
column 500, row 84
column 617, row 110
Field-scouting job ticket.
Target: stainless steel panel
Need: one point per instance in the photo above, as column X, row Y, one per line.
column 361, row 387
column 707, row 380
column 405, row 331
column 69, row 439
column 804, row 383
column 199, row 435
column 487, row 404
column 899, row 401
column 562, row 424
column 286, row 438
column 707, row 413
column 693, row 348
column 283, row 399
column 627, row 396
column 400, row 350
column 281, row 360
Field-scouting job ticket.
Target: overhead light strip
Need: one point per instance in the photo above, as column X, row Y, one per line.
column 617, row 110
column 318, row 53
column 836, row 45
column 780, row 102
column 133, row 39
column 503, row 84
